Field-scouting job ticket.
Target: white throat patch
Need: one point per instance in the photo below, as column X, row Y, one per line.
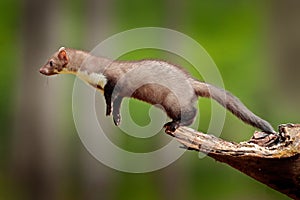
column 94, row 79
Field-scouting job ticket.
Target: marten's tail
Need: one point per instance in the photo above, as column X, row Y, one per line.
column 231, row 103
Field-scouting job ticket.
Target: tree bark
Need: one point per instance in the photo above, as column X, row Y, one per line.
column 273, row 160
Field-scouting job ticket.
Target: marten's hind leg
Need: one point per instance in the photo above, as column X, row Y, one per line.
column 185, row 119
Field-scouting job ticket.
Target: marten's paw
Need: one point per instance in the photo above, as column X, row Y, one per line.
column 117, row 119
column 171, row 127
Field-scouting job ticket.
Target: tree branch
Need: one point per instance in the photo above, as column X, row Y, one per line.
column 273, row 160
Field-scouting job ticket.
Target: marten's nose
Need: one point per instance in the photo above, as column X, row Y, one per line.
column 44, row 71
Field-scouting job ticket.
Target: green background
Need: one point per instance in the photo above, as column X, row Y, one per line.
column 255, row 45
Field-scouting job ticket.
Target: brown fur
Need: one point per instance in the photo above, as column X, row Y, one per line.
column 155, row 82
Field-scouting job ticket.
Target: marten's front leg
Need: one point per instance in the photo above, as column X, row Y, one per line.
column 116, row 110
column 108, row 90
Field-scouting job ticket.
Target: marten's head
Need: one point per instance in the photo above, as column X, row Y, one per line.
column 57, row 63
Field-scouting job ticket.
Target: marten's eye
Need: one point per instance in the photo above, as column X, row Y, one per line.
column 51, row 63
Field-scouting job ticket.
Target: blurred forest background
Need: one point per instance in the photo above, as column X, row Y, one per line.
column 255, row 44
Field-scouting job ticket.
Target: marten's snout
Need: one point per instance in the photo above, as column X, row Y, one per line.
column 43, row 71
column 47, row 71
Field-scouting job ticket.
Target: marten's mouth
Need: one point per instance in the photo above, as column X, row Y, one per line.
column 47, row 72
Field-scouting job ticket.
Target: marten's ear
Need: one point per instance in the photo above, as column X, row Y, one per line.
column 62, row 55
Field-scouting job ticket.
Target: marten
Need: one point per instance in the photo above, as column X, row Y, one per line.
column 153, row 81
